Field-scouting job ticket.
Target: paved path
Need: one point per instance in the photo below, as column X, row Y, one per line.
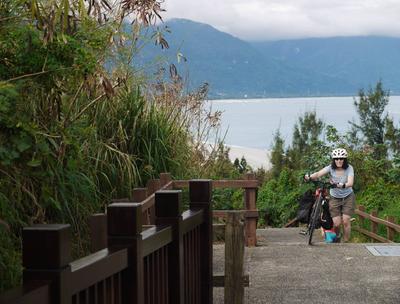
column 286, row 270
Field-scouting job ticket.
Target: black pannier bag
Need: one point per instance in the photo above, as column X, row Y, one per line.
column 305, row 205
column 326, row 219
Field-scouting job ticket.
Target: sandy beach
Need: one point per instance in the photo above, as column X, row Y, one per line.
column 256, row 158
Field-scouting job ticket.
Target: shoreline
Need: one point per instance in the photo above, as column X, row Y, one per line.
column 281, row 97
column 291, row 96
column 256, row 158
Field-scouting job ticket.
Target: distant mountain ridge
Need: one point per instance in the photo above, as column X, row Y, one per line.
column 305, row 67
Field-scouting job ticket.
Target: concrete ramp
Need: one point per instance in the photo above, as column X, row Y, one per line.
column 286, row 270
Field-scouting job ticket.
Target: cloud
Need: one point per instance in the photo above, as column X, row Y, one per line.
column 287, row 19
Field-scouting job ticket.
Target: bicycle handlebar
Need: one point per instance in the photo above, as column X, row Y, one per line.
column 321, row 184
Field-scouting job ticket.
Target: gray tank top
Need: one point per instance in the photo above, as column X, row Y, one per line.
column 340, row 192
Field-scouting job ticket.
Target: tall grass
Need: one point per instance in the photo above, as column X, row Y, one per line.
column 74, row 135
column 114, row 147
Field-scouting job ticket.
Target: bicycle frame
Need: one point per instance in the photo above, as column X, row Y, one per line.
column 321, row 191
column 316, row 212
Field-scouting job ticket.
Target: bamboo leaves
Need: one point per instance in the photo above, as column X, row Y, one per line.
column 147, row 11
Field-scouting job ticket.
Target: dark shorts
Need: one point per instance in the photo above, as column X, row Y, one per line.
column 339, row 206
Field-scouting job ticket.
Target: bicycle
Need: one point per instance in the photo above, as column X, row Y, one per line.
column 321, row 194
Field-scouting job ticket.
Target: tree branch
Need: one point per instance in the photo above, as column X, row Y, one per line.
column 35, row 74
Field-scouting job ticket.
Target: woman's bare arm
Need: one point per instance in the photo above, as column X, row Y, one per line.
column 317, row 175
column 350, row 181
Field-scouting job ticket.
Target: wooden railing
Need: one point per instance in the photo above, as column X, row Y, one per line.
column 234, row 259
column 374, row 220
column 250, row 186
column 170, row 262
column 389, row 223
column 145, row 196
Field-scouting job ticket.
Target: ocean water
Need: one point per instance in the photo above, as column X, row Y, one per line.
column 252, row 122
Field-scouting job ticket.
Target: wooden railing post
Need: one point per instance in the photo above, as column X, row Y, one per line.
column 200, row 193
column 250, row 198
column 165, row 178
column 46, row 251
column 124, row 221
column 234, row 254
column 168, row 212
column 153, row 185
column 361, row 218
column 374, row 226
column 98, row 231
column 390, row 231
column 139, row 195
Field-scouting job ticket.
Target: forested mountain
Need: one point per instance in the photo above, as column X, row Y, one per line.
column 308, row 67
column 361, row 61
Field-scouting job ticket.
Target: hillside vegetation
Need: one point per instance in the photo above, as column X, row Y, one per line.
column 79, row 126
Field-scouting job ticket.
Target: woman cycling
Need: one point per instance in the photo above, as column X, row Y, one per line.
column 342, row 199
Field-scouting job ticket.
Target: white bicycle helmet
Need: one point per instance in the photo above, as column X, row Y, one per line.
column 339, row 153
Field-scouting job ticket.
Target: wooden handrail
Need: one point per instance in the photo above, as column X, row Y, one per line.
column 249, row 184
column 96, row 267
column 391, row 227
column 154, row 238
column 372, row 235
column 191, row 219
column 377, row 220
column 146, row 197
column 149, row 201
column 157, row 263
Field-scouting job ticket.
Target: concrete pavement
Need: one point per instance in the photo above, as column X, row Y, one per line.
column 284, row 269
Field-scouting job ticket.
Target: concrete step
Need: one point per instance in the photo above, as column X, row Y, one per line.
column 285, row 236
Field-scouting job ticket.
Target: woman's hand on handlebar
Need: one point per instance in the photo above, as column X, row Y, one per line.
column 320, row 183
column 336, row 185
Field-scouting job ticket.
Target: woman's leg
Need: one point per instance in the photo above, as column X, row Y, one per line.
column 348, row 211
column 336, row 213
column 346, row 227
column 337, row 220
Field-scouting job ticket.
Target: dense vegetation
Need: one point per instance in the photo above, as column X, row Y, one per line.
column 79, row 126
column 374, row 146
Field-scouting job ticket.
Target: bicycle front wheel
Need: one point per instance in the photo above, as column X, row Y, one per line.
column 314, row 218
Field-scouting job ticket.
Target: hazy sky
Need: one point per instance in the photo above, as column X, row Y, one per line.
column 282, row 19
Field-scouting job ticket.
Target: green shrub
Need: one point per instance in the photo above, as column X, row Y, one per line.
column 278, row 198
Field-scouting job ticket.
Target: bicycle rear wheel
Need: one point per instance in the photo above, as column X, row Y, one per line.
column 314, row 218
